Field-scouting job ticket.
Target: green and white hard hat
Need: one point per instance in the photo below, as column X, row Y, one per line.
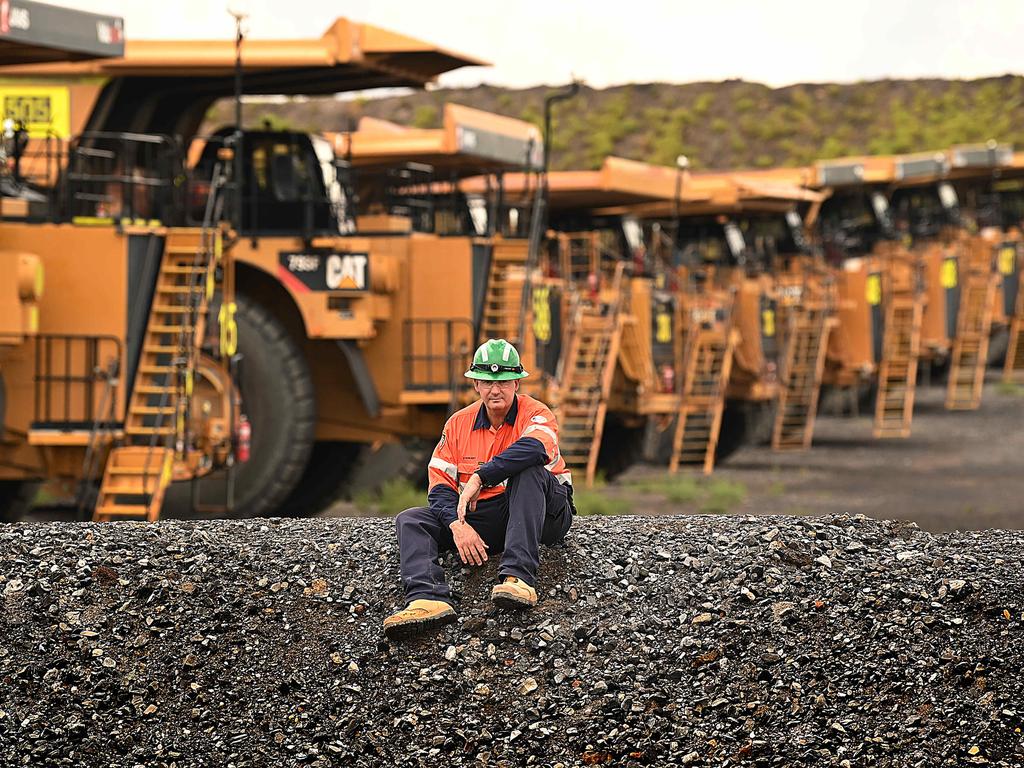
column 496, row 360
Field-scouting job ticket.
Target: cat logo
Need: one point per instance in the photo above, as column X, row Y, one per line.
column 320, row 269
column 346, row 273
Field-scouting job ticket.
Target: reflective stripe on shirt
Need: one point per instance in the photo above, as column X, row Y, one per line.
column 542, row 428
column 449, row 469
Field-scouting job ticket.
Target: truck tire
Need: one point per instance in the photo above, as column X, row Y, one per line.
column 998, row 343
column 279, row 401
column 744, row 422
column 325, row 480
column 16, row 499
column 621, row 448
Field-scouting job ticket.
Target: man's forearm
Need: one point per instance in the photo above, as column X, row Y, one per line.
column 443, row 502
column 523, row 453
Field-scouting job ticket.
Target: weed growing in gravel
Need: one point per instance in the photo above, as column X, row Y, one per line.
column 591, row 501
column 678, row 490
column 682, row 490
column 1010, row 388
column 723, row 495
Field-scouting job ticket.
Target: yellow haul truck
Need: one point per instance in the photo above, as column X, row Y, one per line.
column 32, row 32
column 601, row 319
column 405, row 186
column 931, row 266
column 746, row 235
column 685, row 314
column 880, row 291
column 129, row 381
column 988, row 181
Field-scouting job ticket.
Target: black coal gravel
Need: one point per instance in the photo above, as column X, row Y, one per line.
column 705, row 641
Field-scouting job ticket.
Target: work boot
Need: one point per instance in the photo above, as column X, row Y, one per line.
column 417, row 617
column 514, row 593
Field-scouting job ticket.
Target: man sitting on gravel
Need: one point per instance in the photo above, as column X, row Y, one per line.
column 498, row 483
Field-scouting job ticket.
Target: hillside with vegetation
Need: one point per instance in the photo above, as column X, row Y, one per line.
column 731, row 124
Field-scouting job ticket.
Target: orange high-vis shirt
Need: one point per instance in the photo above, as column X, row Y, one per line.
column 469, row 441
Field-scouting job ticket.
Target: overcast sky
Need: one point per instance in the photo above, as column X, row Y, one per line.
column 529, row 42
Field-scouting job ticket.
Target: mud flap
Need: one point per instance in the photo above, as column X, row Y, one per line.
column 362, row 376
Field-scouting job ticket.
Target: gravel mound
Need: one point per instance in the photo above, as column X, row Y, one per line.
column 706, row 641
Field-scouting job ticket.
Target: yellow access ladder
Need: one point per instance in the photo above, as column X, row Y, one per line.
column 579, row 256
column 503, row 309
column 137, row 473
column 803, row 365
column 897, row 372
column 1013, row 368
column 707, row 365
column 970, row 347
column 596, row 335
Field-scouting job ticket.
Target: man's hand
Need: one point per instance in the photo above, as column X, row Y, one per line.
column 470, row 492
column 471, row 547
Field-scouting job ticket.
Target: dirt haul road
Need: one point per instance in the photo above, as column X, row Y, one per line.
column 957, row 470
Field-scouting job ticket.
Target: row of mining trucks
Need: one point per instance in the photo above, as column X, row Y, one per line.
column 230, row 319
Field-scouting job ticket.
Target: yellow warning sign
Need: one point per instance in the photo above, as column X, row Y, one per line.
column 664, row 328
column 873, row 290
column 1006, row 259
column 947, row 274
column 42, row 110
column 542, row 313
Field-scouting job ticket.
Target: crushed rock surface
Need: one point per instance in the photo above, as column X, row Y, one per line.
column 702, row 640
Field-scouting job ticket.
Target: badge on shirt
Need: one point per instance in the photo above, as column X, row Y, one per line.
column 538, row 420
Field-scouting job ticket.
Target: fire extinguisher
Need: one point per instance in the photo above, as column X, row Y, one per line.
column 639, row 261
column 593, row 285
column 668, row 379
column 244, row 436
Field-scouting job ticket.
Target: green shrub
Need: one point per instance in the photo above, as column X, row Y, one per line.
column 591, row 501
column 682, row 490
column 745, row 104
column 723, row 496
column 425, row 116
column 390, row 499
column 702, row 103
column 1010, row 388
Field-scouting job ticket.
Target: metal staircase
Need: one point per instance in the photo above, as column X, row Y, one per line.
column 139, row 470
column 707, row 364
column 596, row 334
column 503, row 303
column 970, row 348
column 579, row 256
column 1013, row 368
column 897, row 371
column 802, row 367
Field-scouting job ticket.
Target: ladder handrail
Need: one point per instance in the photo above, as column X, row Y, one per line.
column 89, row 461
column 214, row 207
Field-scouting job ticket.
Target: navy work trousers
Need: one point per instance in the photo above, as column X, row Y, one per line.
column 535, row 509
